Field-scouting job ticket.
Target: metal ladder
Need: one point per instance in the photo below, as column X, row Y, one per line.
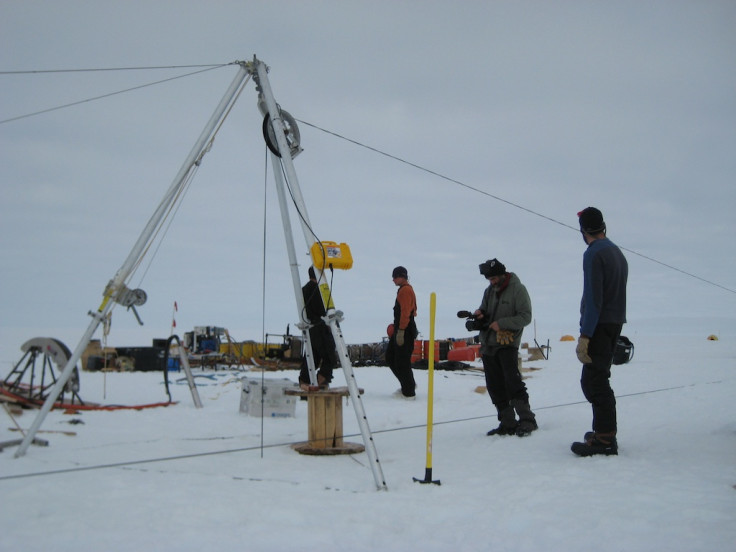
column 283, row 163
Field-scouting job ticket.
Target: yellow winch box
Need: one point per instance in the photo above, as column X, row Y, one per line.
column 328, row 254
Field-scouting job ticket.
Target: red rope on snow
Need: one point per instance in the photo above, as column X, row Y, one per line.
column 70, row 406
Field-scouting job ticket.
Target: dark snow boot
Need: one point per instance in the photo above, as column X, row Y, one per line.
column 527, row 420
column 526, row 427
column 508, row 424
column 503, row 430
column 596, row 443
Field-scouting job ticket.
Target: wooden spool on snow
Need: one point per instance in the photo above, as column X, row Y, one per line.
column 325, row 422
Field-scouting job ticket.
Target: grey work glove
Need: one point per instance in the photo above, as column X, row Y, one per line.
column 505, row 337
column 582, row 350
column 400, row 338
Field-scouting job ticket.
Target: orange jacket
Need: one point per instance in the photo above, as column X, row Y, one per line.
column 406, row 302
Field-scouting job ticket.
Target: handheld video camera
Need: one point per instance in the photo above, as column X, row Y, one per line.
column 472, row 324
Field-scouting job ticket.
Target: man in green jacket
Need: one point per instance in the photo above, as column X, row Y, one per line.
column 503, row 313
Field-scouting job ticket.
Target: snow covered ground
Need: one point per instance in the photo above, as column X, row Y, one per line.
column 182, row 478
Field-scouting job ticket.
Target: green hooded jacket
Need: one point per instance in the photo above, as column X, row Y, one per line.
column 512, row 309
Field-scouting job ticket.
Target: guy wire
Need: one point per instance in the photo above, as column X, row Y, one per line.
column 511, row 203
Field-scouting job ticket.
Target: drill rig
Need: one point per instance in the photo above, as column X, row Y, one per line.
column 282, row 138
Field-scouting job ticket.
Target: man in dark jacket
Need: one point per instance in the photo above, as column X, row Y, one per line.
column 320, row 336
column 602, row 315
column 504, row 311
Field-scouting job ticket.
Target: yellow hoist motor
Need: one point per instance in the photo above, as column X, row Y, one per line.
column 328, row 254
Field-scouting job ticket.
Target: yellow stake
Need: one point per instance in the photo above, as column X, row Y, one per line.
column 430, row 394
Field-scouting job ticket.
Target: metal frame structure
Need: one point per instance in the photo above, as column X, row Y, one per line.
column 116, row 290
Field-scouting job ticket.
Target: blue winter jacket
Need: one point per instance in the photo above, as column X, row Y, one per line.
column 605, row 272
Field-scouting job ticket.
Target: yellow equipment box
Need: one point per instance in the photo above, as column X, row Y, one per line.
column 328, row 254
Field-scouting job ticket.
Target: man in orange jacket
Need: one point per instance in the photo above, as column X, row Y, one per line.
column 401, row 343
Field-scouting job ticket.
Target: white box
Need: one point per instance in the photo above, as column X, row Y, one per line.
column 276, row 404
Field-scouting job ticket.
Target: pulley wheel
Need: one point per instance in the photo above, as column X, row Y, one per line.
column 291, row 131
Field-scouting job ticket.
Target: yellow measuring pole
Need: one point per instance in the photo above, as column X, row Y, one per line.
column 430, row 394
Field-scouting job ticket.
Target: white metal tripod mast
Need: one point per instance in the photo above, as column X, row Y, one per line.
column 116, row 290
column 268, row 105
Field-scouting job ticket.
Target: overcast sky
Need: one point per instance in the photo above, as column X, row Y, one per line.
column 532, row 110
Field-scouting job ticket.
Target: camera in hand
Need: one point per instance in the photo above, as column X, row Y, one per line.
column 473, row 324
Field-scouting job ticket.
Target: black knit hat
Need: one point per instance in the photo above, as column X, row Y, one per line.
column 591, row 221
column 493, row 267
column 399, row 272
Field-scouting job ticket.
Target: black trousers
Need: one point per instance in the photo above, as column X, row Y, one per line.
column 399, row 360
column 595, row 379
column 323, row 351
column 503, row 380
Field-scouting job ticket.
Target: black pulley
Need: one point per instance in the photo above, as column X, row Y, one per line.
column 291, row 131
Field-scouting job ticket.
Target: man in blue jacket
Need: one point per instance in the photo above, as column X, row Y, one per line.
column 602, row 315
